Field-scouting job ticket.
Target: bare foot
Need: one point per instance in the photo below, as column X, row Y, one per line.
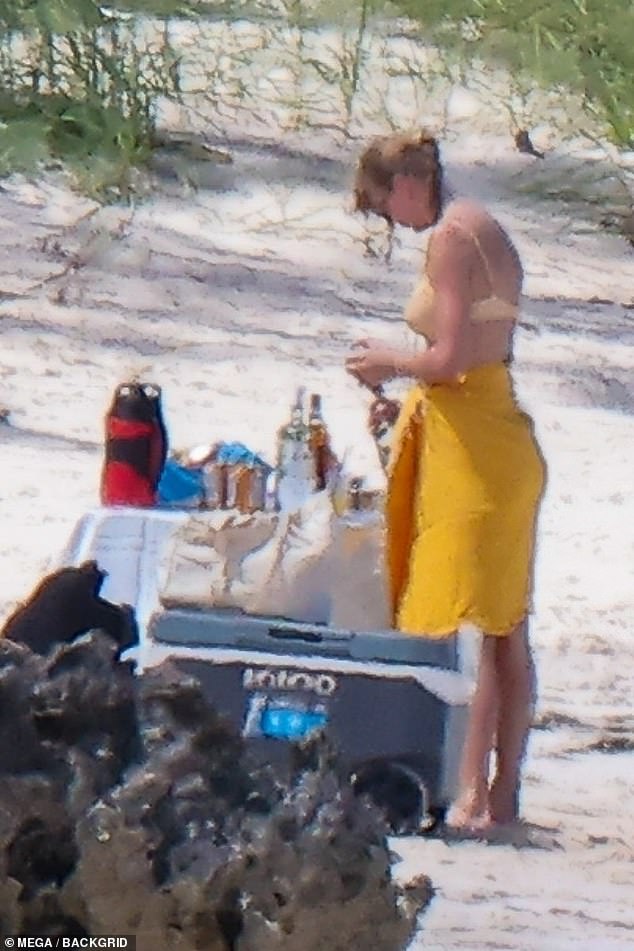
column 470, row 811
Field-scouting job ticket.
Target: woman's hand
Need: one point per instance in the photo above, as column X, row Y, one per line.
column 372, row 363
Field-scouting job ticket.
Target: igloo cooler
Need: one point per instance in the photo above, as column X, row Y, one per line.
column 394, row 704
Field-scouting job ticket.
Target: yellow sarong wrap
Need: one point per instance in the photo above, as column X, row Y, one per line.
column 464, row 485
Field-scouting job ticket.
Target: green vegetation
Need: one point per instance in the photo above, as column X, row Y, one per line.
column 78, row 86
column 584, row 46
column 82, row 85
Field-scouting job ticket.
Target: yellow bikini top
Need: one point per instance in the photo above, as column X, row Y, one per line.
column 420, row 309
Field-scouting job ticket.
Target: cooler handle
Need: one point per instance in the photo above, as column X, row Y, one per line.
column 295, row 634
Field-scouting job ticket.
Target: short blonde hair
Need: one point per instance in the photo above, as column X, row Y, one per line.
column 400, row 153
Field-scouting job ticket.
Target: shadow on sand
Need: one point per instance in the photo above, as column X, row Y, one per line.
column 519, row 835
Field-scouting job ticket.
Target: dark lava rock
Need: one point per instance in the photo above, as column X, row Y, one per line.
column 128, row 805
column 67, row 603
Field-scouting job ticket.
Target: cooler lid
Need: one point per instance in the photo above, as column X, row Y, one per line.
column 217, row 628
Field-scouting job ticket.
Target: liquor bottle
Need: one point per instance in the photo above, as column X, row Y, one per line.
column 295, row 466
column 382, row 431
column 319, row 439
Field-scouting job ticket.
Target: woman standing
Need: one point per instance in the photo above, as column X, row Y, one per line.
column 466, row 474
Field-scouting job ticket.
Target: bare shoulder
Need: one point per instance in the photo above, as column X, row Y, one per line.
column 452, row 239
column 482, row 229
column 468, row 215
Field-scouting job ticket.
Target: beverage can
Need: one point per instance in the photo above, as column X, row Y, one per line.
column 246, row 487
column 233, row 473
column 244, row 484
column 215, row 485
column 257, row 495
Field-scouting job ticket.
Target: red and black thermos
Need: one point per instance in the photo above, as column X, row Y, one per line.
column 135, row 446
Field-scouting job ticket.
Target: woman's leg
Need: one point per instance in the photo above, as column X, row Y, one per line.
column 471, row 803
column 516, row 696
